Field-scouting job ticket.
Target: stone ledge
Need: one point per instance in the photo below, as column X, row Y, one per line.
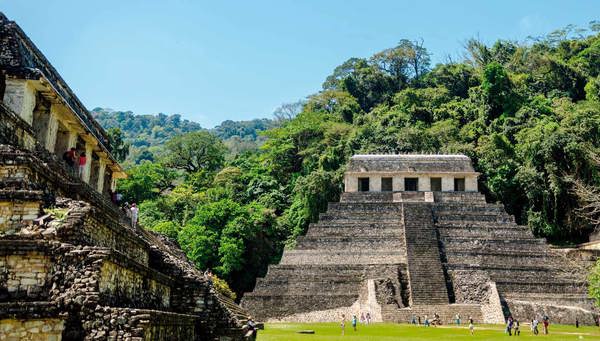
column 28, row 310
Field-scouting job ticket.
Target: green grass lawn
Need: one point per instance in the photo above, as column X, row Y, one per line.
column 389, row 331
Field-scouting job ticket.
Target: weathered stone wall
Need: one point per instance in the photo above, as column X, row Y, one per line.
column 24, row 276
column 31, row 330
column 122, row 286
column 15, row 214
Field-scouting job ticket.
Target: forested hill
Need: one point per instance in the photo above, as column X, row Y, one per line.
column 528, row 114
column 146, row 135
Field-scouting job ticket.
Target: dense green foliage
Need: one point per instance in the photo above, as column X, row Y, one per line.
column 527, row 114
column 136, row 138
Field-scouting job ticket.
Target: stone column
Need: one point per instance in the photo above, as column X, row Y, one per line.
column 113, row 183
column 52, row 130
column 351, row 183
column 375, row 183
column 87, row 170
column 471, row 184
column 398, row 183
column 72, row 139
column 101, row 170
column 447, row 184
column 424, row 183
column 19, row 96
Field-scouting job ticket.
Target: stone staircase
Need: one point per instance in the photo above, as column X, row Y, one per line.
column 426, row 275
column 531, row 278
column 328, row 269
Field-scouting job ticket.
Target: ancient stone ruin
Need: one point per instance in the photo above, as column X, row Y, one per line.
column 71, row 265
column 412, row 236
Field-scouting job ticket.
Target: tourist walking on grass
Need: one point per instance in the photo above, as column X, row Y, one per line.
column 426, row 321
column 362, row 318
column 534, row 326
column 545, row 322
column 457, row 319
column 516, row 328
column 471, row 325
column 354, row 322
column 343, row 323
column 368, row 317
column 509, row 325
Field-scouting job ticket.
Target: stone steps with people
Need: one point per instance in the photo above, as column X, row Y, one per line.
column 524, row 268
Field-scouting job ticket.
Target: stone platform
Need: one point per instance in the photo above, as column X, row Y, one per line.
column 452, row 254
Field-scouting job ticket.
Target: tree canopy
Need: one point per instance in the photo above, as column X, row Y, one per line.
column 528, row 114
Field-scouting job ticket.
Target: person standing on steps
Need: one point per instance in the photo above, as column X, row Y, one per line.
column 69, row 157
column 343, row 324
column 82, row 162
column 134, row 215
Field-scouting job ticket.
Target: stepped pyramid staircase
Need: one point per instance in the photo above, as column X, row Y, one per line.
column 80, row 271
column 399, row 259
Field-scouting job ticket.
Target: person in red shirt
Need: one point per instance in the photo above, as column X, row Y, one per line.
column 82, row 162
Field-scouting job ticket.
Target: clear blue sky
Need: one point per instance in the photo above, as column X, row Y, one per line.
column 217, row 60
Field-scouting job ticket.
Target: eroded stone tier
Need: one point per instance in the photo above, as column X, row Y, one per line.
column 397, row 254
column 71, row 265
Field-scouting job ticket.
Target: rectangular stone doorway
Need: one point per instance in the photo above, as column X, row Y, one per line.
column 411, row 184
column 459, row 184
column 436, row 184
column 386, row 185
column 363, row 184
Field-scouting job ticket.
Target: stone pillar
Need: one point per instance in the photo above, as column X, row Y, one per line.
column 19, row 96
column 72, row 139
column 87, row 170
column 471, row 184
column 375, row 183
column 101, row 170
column 424, row 183
column 351, row 183
column 447, row 184
column 398, row 183
column 52, row 130
column 113, row 183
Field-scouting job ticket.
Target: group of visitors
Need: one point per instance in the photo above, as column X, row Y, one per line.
column 513, row 327
column 364, row 319
column 132, row 212
column 73, row 159
column 535, row 325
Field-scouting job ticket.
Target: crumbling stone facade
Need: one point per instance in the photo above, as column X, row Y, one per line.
column 445, row 251
column 71, row 265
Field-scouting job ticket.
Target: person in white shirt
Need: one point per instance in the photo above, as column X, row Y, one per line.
column 134, row 215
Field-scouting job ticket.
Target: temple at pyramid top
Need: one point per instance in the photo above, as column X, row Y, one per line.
column 410, row 172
